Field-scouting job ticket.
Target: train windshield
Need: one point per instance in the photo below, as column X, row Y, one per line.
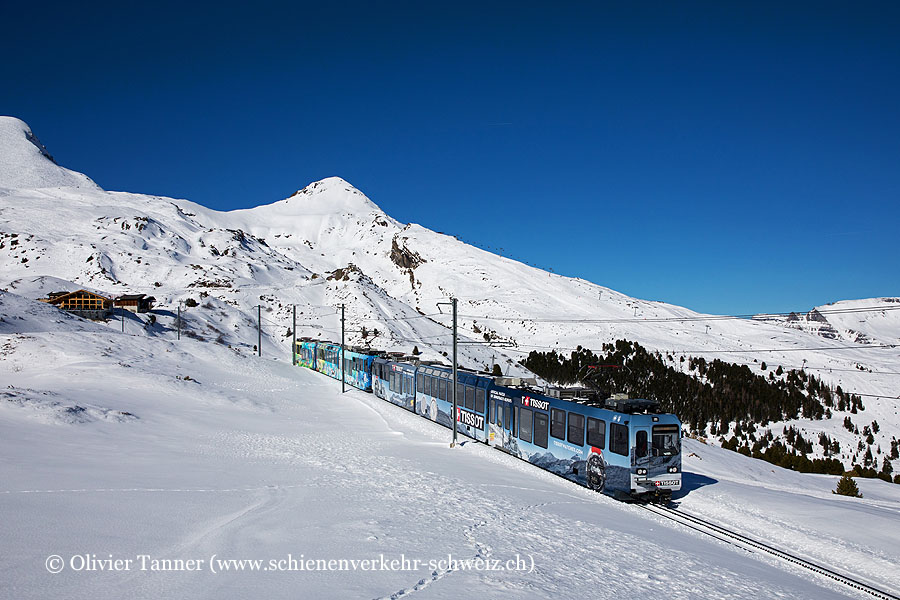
column 666, row 440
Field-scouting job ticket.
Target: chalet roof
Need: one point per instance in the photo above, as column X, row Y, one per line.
column 130, row 297
column 53, row 299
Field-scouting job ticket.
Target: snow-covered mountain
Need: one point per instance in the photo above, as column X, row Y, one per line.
column 856, row 321
column 328, row 245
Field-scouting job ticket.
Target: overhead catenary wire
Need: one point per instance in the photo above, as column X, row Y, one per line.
column 756, row 317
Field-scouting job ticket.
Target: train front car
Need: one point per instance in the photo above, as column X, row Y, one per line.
column 656, row 456
column 623, row 448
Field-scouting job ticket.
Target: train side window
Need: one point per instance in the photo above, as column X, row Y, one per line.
column 515, row 419
column 420, row 383
column 558, row 423
column 596, row 432
column 492, row 413
column 444, row 386
column 576, row 429
column 618, row 442
column 540, row 429
column 507, row 416
column 525, row 421
column 640, row 444
column 479, row 401
column 470, row 397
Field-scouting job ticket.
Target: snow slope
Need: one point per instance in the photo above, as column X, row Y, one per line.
column 118, row 445
column 25, row 162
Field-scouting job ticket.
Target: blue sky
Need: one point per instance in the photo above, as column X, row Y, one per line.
column 728, row 157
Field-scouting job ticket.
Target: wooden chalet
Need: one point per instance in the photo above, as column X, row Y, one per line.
column 82, row 303
column 135, row 302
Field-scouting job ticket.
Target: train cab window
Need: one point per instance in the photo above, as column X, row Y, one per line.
column 596, row 432
column 618, row 442
column 470, row 397
column 666, row 440
column 576, row 429
column 420, row 383
column 525, row 422
column 640, row 444
column 558, row 423
column 540, row 429
column 479, row 401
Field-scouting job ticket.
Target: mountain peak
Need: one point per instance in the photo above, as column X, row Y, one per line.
column 26, row 163
column 331, row 195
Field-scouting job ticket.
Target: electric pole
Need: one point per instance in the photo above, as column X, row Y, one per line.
column 455, row 416
column 294, row 339
column 123, row 319
column 259, row 330
column 179, row 320
column 343, row 386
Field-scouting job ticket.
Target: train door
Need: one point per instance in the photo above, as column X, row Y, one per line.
column 642, row 448
column 492, row 436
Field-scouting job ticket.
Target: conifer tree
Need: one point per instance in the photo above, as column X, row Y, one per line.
column 847, row 487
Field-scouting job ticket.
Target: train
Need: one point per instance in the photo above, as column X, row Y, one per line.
column 620, row 446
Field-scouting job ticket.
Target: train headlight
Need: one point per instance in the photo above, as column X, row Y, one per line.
column 642, row 471
column 673, row 469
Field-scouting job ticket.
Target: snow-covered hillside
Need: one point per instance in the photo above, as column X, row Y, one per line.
column 851, row 321
column 26, row 163
column 147, row 451
column 329, row 245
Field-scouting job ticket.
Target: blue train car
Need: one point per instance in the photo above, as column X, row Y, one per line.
column 328, row 359
column 305, row 350
column 623, row 447
column 358, row 368
column 395, row 381
column 434, row 399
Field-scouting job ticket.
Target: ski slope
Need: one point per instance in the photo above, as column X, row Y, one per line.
column 129, row 446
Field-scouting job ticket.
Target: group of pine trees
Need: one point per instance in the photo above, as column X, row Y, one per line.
column 714, row 395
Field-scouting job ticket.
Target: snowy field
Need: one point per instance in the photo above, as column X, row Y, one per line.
column 124, row 447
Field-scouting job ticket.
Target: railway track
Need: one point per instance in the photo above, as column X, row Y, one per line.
column 747, row 543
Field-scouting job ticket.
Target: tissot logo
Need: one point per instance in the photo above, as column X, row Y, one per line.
column 535, row 403
column 471, row 419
